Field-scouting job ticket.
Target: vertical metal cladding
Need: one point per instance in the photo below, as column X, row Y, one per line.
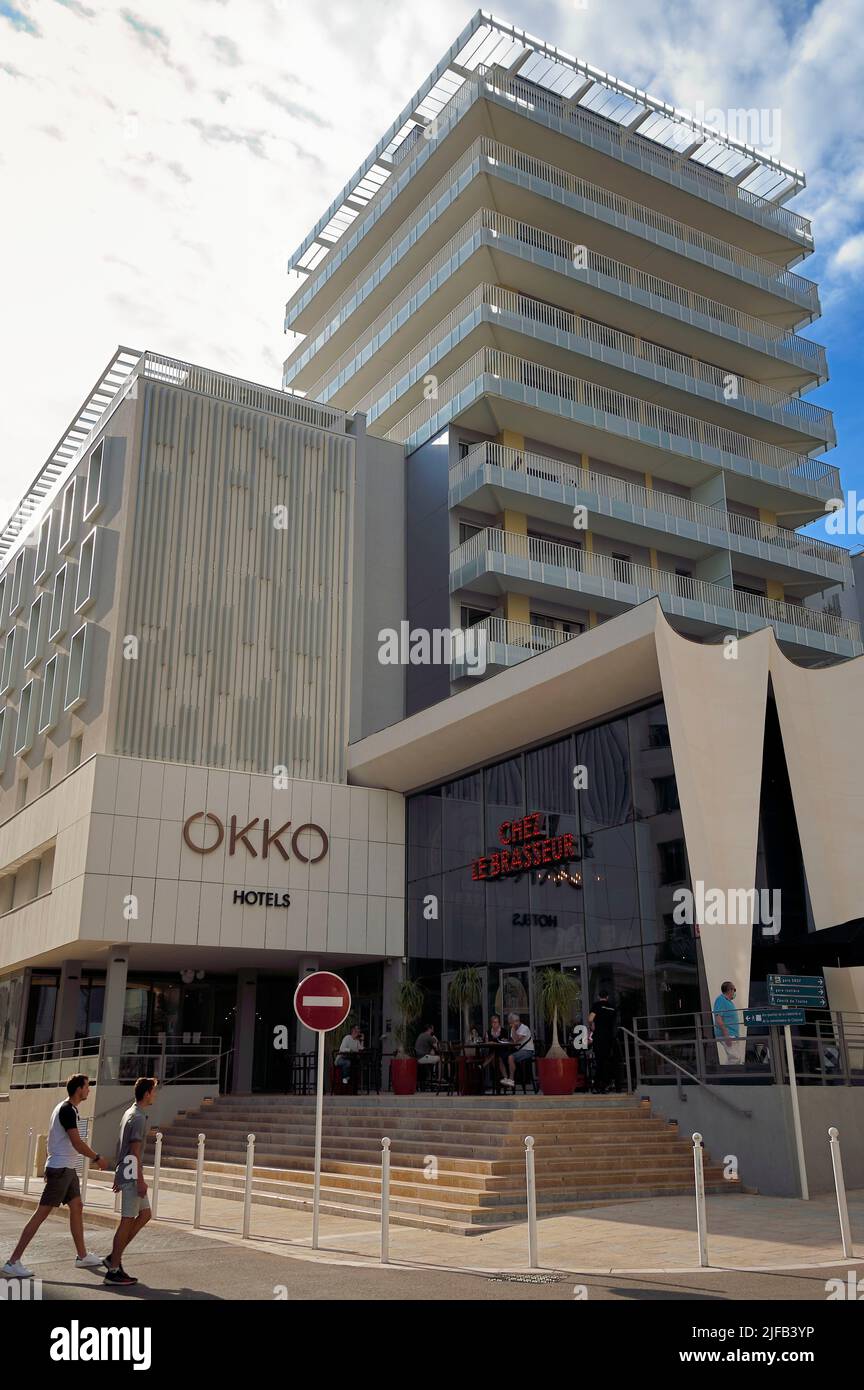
column 241, row 623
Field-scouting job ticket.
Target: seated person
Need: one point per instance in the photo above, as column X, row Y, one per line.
column 495, row 1031
column 474, row 1034
column 426, row 1047
column 351, row 1044
column 520, row 1033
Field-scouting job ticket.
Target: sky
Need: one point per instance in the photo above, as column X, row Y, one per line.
column 160, row 162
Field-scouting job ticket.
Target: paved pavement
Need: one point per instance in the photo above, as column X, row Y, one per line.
column 173, row 1262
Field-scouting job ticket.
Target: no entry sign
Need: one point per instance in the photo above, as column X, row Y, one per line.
column 322, row 1001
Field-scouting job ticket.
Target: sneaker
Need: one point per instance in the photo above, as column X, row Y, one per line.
column 16, row 1269
column 510, row 1084
column 119, row 1276
column 89, row 1261
column 344, row 1080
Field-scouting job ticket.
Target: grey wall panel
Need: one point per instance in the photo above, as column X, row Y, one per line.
column 242, row 624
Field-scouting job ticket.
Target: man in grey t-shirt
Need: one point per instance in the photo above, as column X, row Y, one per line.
column 129, row 1178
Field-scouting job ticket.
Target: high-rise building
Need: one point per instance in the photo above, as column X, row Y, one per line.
column 490, row 640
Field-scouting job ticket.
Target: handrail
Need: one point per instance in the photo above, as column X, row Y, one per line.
column 495, row 153
column 498, row 224
column 122, row 1105
column 565, row 321
column 607, row 401
column 641, row 1042
column 518, row 545
column 528, row 464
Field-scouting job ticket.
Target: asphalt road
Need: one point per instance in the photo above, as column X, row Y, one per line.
column 177, row 1264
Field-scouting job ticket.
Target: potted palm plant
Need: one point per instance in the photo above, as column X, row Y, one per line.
column 557, row 992
column 403, row 1068
column 464, row 991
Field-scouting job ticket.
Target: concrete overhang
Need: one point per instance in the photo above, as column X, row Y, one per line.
column 609, row 668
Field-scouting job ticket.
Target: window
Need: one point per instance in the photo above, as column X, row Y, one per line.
column 7, row 666
column 86, row 590
column 673, row 867
column 43, row 548
column 658, row 736
column 76, row 678
column 467, row 530
column 468, row 616
column 24, row 728
column 465, row 447
column 76, row 746
column 50, row 691
column 34, row 633
column 58, row 605
column 666, row 794
column 67, row 516
column 93, row 499
column 17, row 583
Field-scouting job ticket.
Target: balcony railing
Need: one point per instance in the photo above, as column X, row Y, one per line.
column 529, row 636
column 576, row 325
column 485, row 151
column 633, row 409
column 498, row 225
column 514, row 545
column 526, row 464
column 249, row 394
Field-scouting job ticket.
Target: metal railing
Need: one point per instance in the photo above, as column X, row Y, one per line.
column 115, row 1061
column 173, row 372
column 827, row 1050
column 563, row 321
column 526, row 464
column 495, row 153
column 507, row 546
column 499, row 225
column 530, row 637
column 605, row 400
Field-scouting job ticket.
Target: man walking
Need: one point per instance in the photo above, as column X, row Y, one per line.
column 66, row 1149
column 727, row 1024
column 129, row 1179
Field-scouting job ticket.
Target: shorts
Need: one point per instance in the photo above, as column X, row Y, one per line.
column 61, row 1186
column 522, row 1054
column 130, row 1203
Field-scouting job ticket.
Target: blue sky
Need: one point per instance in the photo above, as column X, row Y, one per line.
column 167, row 159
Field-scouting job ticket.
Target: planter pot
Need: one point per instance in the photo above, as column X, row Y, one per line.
column 558, row 1075
column 403, row 1074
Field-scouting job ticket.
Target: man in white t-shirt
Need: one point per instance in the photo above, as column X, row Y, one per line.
column 66, row 1149
column 348, row 1049
column 519, row 1033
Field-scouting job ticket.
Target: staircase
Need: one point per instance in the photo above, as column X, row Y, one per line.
column 456, row 1164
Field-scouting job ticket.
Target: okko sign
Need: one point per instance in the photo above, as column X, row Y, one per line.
column 203, row 841
column 321, row 1001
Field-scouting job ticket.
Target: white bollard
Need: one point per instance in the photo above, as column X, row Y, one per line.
column 28, row 1162
column 701, row 1220
column 385, row 1201
column 247, row 1195
column 532, row 1202
column 3, row 1160
column 157, row 1164
column 199, row 1181
column 840, row 1186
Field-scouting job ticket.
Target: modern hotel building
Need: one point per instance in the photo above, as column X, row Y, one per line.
column 548, row 383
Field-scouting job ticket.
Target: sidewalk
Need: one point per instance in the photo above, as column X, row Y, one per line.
column 652, row 1235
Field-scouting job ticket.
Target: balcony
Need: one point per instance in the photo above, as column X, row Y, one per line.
column 574, row 207
column 611, row 354
column 491, row 476
column 510, row 642
column 496, row 561
column 494, row 391
column 610, row 289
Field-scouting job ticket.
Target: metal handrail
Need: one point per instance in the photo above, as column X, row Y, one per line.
column 641, row 1042
column 527, row 464
column 576, row 325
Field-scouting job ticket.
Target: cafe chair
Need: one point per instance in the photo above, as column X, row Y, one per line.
column 525, row 1074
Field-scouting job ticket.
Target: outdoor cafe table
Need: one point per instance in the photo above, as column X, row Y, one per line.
column 472, row 1068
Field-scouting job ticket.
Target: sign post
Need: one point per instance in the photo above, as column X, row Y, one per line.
column 796, row 992
column 321, row 1002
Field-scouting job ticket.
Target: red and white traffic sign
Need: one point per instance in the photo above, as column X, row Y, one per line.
column 322, row 1001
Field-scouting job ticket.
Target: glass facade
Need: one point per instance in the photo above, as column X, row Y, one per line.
column 604, row 911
